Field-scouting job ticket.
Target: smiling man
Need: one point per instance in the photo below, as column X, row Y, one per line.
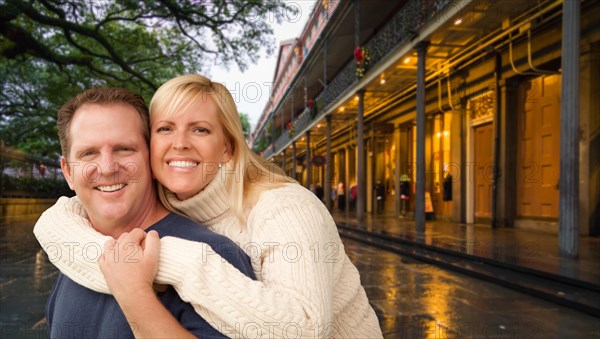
column 104, row 139
column 105, row 161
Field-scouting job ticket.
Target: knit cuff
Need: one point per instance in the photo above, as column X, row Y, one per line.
column 177, row 258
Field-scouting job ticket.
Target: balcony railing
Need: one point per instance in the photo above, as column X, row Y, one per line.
column 403, row 26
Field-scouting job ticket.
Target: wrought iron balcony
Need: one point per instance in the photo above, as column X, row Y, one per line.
column 403, row 27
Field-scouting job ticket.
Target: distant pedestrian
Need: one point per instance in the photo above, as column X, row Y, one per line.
column 341, row 195
column 404, row 193
column 379, row 196
column 353, row 196
column 319, row 191
column 42, row 169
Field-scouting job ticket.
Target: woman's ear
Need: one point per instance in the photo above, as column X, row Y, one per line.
column 228, row 152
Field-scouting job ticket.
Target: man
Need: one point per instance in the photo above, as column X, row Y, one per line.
column 104, row 139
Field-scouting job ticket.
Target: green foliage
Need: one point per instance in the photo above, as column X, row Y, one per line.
column 245, row 124
column 260, row 145
column 51, row 50
column 318, row 107
column 34, row 188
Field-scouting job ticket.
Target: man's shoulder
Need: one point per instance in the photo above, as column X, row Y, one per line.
column 175, row 225
column 64, row 284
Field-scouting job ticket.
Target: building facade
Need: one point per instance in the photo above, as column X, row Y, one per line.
column 459, row 110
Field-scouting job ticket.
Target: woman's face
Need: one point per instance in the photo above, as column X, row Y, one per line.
column 187, row 147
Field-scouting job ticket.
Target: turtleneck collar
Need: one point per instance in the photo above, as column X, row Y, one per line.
column 209, row 204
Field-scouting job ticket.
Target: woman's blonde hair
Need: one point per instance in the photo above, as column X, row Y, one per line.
column 248, row 174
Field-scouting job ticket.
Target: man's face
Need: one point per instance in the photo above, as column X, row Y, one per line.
column 108, row 165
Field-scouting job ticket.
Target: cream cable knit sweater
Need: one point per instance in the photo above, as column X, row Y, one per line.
column 307, row 287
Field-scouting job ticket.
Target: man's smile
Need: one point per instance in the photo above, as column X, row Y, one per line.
column 110, row 188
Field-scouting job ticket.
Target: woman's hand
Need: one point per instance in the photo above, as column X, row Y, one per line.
column 130, row 263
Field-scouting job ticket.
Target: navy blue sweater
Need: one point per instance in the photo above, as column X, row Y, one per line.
column 74, row 311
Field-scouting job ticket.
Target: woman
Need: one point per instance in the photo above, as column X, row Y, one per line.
column 307, row 286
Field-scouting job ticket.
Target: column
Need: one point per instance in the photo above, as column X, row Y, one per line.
column 568, row 220
column 507, row 181
column 497, row 130
column 372, row 162
column 397, row 202
column 272, row 136
column 283, row 119
column 360, row 173
column 307, row 164
column 305, row 92
column 420, row 189
column 328, row 163
column 294, row 174
column 346, row 176
column 356, row 23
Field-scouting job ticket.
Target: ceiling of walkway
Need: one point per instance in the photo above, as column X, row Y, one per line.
column 447, row 42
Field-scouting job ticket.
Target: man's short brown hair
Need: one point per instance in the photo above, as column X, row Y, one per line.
column 99, row 96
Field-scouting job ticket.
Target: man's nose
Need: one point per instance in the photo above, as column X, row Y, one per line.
column 108, row 163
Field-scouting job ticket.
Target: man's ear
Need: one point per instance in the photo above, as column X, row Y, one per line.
column 64, row 166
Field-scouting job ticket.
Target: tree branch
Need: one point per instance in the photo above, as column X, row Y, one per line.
column 85, row 31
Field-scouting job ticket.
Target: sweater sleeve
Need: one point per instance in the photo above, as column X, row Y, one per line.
column 74, row 246
column 294, row 296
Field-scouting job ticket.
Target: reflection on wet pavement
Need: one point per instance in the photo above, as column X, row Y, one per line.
column 417, row 300
column 26, row 278
column 411, row 299
column 527, row 248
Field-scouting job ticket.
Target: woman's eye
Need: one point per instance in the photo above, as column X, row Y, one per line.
column 163, row 129
column 200, row 130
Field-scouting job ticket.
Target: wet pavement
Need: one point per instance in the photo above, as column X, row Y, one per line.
column 26, row 278
column 532, row 249
column 412, row 299
column 417, row 300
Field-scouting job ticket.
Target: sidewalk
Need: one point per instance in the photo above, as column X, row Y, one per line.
column 532, row 249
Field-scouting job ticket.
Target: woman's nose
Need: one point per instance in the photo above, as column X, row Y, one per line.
column 181, row 142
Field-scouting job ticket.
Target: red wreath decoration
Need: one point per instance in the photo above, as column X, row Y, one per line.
column 361, row 55
column 290, row 129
